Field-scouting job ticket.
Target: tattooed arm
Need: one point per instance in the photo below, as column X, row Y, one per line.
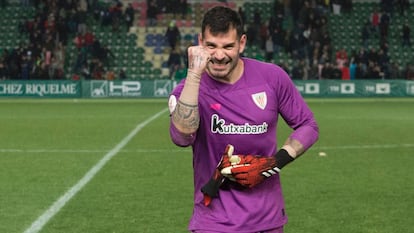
column 185, row 116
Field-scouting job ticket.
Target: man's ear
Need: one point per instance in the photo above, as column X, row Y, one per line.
column 243, row 41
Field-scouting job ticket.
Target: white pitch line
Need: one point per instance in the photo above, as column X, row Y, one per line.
column 37, row 225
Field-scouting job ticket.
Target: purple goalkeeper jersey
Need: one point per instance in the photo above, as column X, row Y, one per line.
column 244, row 114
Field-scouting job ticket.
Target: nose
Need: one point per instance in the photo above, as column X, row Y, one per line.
column 218, row 54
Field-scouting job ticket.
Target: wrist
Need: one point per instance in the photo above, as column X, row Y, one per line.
column 282, row 158
column 193, row 75
column 290, row 150
column 189, row 95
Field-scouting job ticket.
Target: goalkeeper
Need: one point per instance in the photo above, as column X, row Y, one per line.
column 227, row 109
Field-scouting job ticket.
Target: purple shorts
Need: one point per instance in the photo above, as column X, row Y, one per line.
column 276, row 230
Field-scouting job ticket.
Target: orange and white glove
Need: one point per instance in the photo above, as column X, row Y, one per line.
column 252, row 170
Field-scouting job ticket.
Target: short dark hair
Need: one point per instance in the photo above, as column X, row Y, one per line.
column 221, row 19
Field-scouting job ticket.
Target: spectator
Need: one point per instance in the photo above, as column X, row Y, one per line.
column 361, row 56
column 96, row 48
column 395, row 71
column 313, row 71
column 122, row 74
column 299, row 70
column 336, row 72
column 298, row 44
column 278, row 39
column 275, row 29
column 3, row 65
column 76, row 77
column 269, row 49
column 257, row 18
column 85, row 71
column 251, row 34
column 56, row 69
column 327, row 71
column 89, row 39
column 375, row 20
column 116, row 16
column 372, row 56
column 384, row 62
column 172, row 34
column 242, row 15
column 105, row 17
column 322, row 61
column 284, row 66
column 49, row 47
column 62, row 30
column 110, row 75
column 152, row 12
column 79, row 41
column 81, row 60
column 104, row 56
column 263, row 35
column 360, row 71
column 98, row 70
column 336, row 7
column 409, row 71
column 174, row 61
column 326, row 41
column 406, row 35
column 26, row 67
column 365, row 34
column 315, row 52
column 345, row 72
column 384, row 25
column 352, row 70
column 341, row 57
column 81, row 16
column 374, row 71
column 129, row 15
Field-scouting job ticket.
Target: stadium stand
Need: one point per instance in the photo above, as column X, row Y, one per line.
column 143, row 52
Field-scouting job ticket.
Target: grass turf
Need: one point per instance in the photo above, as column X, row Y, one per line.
column 364, row 184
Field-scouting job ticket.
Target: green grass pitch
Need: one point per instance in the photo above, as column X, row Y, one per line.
column 364, row 184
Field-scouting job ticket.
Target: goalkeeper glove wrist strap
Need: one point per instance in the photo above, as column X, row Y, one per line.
column 282, row 159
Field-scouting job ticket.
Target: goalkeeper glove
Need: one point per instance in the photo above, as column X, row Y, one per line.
column 210, row 190
column 253, row 169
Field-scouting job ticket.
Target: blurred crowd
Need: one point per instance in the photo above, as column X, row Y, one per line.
column 315, row 55
column 299, row 28
column 57, row 24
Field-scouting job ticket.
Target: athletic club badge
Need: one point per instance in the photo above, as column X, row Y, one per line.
column 260, row 99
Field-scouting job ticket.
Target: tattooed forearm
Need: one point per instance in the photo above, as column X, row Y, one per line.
column 186, row 117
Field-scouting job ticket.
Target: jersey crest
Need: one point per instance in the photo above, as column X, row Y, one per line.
column 260, row 99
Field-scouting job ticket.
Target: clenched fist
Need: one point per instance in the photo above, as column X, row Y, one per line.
column 198, row 58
